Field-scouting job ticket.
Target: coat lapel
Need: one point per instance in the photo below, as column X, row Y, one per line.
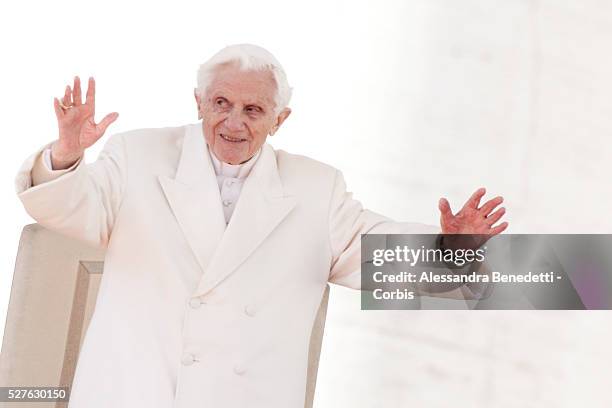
column 261, row 207
column 194, row 197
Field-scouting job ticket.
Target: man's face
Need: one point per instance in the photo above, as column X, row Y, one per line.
column 238, row 112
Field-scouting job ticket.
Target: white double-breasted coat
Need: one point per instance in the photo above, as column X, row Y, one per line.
column 191, row 312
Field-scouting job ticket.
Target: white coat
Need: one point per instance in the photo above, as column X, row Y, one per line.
column 191, row 313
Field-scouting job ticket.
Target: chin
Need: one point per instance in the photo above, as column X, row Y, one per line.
column 230, row 154
column 231, row 158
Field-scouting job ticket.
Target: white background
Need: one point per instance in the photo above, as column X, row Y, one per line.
column 412, row 100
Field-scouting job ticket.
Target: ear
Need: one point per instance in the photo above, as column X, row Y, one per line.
column 198, row 100
column 284, row 114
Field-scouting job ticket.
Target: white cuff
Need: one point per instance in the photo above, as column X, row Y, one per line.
column 43, row 172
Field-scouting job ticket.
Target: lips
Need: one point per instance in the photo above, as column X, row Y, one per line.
column 231, row 139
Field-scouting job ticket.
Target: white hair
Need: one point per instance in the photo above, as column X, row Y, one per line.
column 249, row 57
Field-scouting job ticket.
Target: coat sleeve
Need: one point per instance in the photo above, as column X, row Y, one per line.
column 42, row 171
column 347, row 221
column 83, row 202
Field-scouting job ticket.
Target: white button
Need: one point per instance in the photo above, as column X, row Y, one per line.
column 188, row 359
column 227, row 203
column 229, row 183
column 239, row 370
column 249, row 310
column 195, row 303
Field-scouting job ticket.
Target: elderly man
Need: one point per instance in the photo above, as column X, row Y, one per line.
column 219, row 248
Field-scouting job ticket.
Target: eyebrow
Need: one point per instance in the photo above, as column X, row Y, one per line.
column 258, row 103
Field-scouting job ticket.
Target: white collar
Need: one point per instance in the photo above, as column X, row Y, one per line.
column 240, row 171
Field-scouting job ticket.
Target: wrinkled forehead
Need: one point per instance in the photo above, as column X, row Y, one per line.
column 233, row 83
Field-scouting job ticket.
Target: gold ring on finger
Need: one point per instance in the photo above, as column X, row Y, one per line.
column 64, row 106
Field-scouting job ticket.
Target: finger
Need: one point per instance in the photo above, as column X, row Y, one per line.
column 90, row 98
column 490, row 205
column 445, row 208
column 474, row 200
column 59, row 113
column 67, row 99
column 493, row 218
column 77, row 91
column 501, row 227
column 106, row 121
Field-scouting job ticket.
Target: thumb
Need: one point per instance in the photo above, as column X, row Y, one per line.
column 106, row 121
column 444, row 207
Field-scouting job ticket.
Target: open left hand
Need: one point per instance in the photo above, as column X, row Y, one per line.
column 471, row 219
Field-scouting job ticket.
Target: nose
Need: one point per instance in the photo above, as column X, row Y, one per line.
column 234, row 122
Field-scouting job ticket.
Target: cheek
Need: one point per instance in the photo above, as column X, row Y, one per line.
column 262, row 130
column 209, row 132
column 260, row 134
column 211, row 122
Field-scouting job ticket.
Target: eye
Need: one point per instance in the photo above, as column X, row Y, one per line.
column 253, row 109
column 221, row 102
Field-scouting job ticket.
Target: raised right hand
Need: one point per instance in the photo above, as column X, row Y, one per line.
column 77, row 128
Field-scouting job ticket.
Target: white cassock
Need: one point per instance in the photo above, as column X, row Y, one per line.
column 191, row 311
